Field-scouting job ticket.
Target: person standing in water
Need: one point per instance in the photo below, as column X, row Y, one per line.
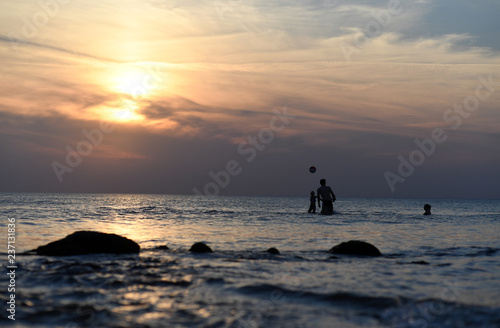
column 325, row 195
column 312, row 206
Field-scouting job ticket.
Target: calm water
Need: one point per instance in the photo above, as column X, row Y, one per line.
column 437, row 271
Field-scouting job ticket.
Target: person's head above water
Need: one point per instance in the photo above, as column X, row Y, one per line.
column 322, row 182
column 427, row 209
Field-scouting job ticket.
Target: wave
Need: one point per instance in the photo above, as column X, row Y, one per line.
column 472, row 251
column 434, row 313
column 394, row 311
column 218, row 212
column 338, row 298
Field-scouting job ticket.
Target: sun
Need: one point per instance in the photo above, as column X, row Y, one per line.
column 135, row 80
column 132, row 82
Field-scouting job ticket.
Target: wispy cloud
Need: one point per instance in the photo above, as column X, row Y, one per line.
column 15, row 43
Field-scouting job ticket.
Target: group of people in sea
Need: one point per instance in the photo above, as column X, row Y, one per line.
column 326, row 196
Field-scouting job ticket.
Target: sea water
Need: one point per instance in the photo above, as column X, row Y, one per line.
column 441, row 270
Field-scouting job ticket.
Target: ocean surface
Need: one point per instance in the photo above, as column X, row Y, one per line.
column 441, row 270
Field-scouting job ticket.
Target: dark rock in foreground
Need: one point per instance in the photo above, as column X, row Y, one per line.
column 200, row 248
column 89, row 242
column 355, row 247
column 273, row 250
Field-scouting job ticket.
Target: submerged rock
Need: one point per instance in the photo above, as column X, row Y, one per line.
column 273, row 250
column 164, row 247
column 355, row 247
column 89, row 242
column 200, row 248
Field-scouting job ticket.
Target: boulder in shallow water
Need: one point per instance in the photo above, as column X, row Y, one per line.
column 89, row 242
column 200, row 248
column 355, row 247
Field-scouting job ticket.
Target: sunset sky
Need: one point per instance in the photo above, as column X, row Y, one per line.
column 242, row 97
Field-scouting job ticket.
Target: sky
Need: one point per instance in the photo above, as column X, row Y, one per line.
column 392, row 98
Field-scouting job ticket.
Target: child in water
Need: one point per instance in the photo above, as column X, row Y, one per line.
column 312, row 206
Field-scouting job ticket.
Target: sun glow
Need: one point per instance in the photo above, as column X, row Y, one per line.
column 124, row 111
column 125, row 115
column 136, row 81
column 133, row 83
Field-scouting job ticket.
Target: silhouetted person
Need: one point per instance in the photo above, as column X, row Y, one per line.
column 427, row 209
column 325, row 195
column 312, row 206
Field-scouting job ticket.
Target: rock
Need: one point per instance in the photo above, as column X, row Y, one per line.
column 273, row 250
column 89, row 242
column 200, row 248
column 164, row 247
column 355, row 247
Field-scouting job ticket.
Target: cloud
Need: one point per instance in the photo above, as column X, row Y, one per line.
column 16, row 42
column 212, row 77
column 461, row 17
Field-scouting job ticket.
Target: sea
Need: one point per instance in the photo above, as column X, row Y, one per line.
column 441, row 270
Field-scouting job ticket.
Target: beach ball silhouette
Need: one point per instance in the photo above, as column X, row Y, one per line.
column 312, row 169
